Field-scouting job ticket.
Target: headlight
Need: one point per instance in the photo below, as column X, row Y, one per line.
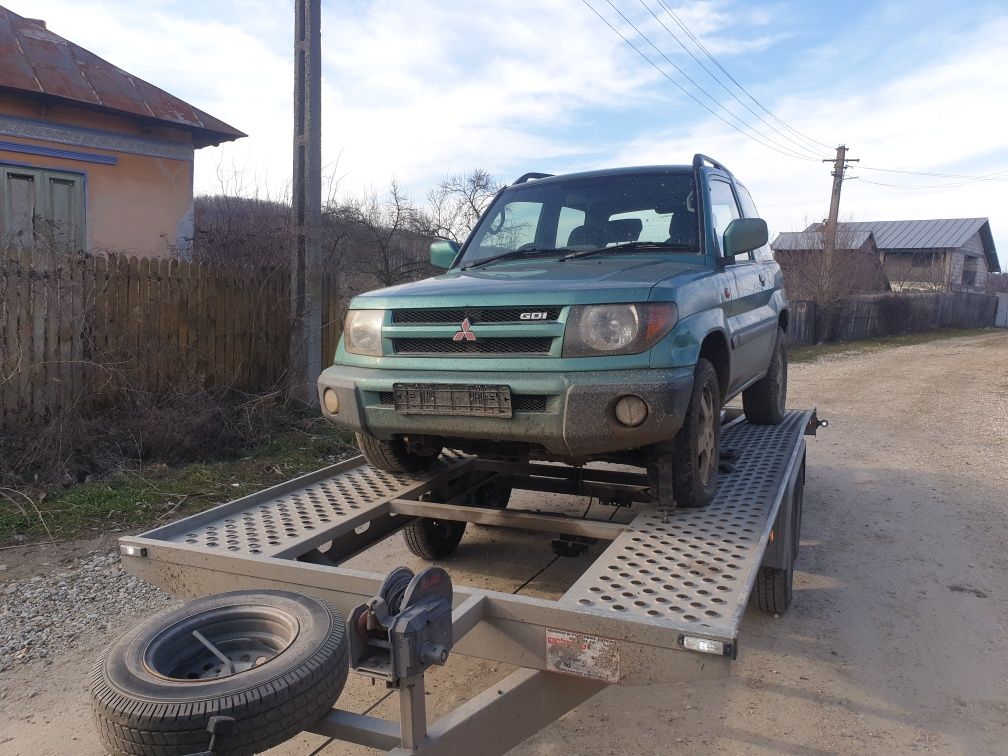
column 597, row 330
column 362, row 332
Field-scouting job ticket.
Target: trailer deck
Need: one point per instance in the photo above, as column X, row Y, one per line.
column 663, row 602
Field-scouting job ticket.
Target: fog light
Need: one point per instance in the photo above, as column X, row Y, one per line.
column 631, row 411
column 331, row 401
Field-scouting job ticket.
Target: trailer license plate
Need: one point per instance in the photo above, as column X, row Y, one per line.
column 452, row 399
column 582, row 655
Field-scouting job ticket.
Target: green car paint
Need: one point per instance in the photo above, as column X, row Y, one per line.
column 729, row 309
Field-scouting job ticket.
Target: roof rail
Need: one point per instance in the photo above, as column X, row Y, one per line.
column 699, row 160
column 532, row 175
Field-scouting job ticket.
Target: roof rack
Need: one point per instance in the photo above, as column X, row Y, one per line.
column 532, row 175
column 699, row 160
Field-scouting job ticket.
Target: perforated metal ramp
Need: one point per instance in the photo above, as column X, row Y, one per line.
column 696, row 569
column 302, row 512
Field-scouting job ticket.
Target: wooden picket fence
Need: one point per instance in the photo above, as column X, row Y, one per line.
column 77, row 331
column 873, row 315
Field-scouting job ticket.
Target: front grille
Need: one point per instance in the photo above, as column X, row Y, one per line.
column 452, row 316
column 493, row 345
column 519, row 402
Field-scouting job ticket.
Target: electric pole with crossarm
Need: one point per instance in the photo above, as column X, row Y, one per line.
column 839, row 167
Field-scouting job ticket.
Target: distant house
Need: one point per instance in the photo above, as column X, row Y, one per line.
column 854, row 269
column 953, row 254
column 91, row 157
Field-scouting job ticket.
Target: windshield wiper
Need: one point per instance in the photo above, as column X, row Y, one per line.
column 516, row 255
column 630, row 247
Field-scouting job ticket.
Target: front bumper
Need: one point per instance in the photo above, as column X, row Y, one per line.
column 573, row 415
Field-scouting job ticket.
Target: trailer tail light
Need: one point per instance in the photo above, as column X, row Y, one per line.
column 707, row 646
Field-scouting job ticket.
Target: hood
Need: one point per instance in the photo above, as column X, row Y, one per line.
column 589, row 281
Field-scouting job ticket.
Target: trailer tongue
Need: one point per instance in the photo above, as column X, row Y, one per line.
column 663, row 602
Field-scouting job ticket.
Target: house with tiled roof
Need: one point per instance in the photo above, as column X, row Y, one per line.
column 92, row 158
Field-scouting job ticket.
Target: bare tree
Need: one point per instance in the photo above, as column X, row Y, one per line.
column 455, row 205
column 386, row 246
column 997, row 283
column 827, row 274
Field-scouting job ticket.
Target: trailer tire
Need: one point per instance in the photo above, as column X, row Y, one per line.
column 764, row 402
column 394, row 456
column 145, row 703
column 433, row 539
column 774, row 589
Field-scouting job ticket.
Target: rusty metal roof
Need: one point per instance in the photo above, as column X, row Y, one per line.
column 938, row 233
column 36, row 62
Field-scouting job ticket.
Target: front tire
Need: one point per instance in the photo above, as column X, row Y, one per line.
column 765, row 400
column 394, row 456
column 696, row 449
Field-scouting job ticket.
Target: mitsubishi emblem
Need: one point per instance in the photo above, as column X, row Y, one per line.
column 465, row 332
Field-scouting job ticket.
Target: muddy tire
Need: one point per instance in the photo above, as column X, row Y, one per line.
column 394, row 456
column 154, row 691
column 696, row 448
column 433, row 539
column 764, row 402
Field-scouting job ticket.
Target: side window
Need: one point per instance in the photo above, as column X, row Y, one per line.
column 763, row 254
column 39, row 207
column 568, row 221
column 723, row 207
column 514, row 226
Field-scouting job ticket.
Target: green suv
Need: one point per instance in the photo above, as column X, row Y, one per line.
column 605, row 315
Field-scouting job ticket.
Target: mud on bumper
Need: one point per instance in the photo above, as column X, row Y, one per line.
column 572, row 414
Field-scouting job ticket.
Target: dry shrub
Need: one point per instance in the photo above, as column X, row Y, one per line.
column 142, row 429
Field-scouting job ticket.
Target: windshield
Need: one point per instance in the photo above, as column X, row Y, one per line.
column 585, row 214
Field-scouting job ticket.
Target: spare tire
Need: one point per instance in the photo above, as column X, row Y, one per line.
column 154, row 691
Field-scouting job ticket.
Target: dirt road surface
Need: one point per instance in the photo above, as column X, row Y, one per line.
column 896, row 640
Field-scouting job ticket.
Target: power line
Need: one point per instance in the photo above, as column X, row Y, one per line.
column 698, row 86
column 745, row 91
column 686, row 92
column 938, row 175
column 801, row 145
column 951, row 185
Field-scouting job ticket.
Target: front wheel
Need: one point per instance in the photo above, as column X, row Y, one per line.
column 696, row 448
column 395, row 456
column 764, row 401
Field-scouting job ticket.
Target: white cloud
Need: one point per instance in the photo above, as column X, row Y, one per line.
column 416, row 89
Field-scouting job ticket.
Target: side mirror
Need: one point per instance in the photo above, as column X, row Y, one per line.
column 744, row 235
column 443, row 253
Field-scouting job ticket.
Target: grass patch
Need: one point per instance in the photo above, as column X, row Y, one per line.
column 849, row 348
column 153, row 494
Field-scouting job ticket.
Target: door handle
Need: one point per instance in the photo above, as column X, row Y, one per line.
column 762, row 278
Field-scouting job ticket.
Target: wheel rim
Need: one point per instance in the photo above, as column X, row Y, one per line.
column 221, row 643
column 706, row 441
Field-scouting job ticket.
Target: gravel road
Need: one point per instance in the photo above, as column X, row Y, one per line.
column 894, row 644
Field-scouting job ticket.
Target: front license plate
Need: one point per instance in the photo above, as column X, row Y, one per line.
column 452, row 399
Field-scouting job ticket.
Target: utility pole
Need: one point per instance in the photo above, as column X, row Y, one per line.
column 839, row 167
column 306, row 274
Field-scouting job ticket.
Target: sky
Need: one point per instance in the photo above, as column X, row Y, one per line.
column 416, row 89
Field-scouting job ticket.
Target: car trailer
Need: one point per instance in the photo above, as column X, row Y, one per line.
column 662, row 603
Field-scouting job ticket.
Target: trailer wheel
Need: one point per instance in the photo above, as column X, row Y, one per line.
column 774, row 588
column 764, row 402
column 433, row 539
column 394, row 456
column 154, row 691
